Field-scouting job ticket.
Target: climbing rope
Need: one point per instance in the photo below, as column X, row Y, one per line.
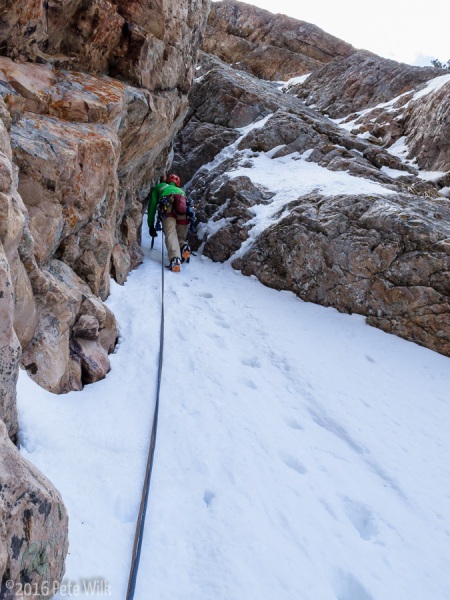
column 139, row 535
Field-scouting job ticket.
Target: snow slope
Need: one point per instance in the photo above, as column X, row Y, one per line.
column 301, row 454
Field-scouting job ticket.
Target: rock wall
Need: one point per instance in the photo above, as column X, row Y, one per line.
column 147, row 43
column 427, row 129
column 95, row 93
column 386, row 257
column 12, row 220
column 272, row 47
column 359, row 81
column 386, row 100
column 92, row 93
column 421, row 118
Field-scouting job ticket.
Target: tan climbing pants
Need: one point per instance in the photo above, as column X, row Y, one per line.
column 175, row 234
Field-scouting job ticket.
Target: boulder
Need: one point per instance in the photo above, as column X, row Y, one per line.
column 93, row 359
column 68, row 311
column 234, row 197
column 86, row 327
column 33, row 526
column 197, row 144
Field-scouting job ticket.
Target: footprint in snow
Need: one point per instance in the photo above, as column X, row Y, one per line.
column 293, row 424
column 348, row 587
column 181, row 336
column 294, row 464
column 251, row 362
column 361, row 518
column 219, row 340
column 124, row 510
column 206, row 295
column 250, row 384
column 208, row 497
column 328, row 508
column 223, row 324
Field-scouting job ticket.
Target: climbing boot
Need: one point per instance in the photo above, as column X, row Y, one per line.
column 175, row 264
column 185, row 253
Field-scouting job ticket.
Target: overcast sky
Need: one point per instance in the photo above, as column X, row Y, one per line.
column 408, row 31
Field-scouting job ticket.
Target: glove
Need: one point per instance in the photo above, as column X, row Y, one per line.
column 152, row 231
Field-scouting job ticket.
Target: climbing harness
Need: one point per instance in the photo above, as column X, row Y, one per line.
column 139, row 535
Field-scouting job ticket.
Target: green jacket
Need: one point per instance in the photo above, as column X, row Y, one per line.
column 158, row 192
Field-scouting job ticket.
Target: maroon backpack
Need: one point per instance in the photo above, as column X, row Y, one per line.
column 179, row 204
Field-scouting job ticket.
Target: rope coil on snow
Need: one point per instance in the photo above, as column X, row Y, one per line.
column 139, row 535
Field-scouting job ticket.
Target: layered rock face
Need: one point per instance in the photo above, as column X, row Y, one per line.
column 92, row 94
column 359, row 81
column 95, row 92
column 427, row 128
column 386, row 258
column 12, row 221
column 147, row 43
column 272, row 47
column 383, row 255
column 33, row 527
column 386, row 100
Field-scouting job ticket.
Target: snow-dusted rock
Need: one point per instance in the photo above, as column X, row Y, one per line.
column 234, row 199
column 427, row 126
column 223, row 100
column 359, row 81
column 381, row 252
column 387, row 101
column 386, row 258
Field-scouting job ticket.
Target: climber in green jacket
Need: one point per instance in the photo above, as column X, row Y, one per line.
column 169, row 204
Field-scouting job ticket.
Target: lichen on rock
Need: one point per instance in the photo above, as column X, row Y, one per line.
column 33, row 526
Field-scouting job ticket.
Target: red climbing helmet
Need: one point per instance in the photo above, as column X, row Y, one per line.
column 173, row 179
